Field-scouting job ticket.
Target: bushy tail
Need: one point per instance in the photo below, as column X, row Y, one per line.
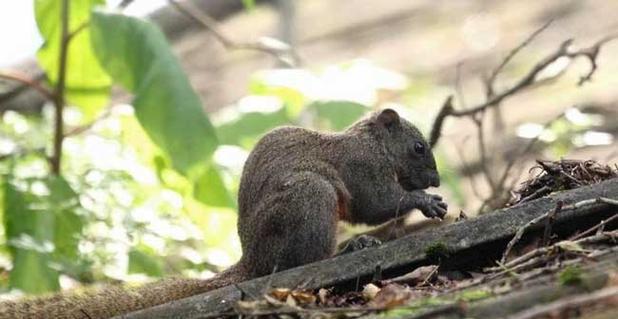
column 111, row 301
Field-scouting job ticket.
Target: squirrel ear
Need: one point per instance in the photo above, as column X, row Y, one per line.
column 388, row 118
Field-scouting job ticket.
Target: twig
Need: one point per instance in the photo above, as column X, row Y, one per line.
column 549, row 222
column 478, row 121
column 33, row 82
column 56, row 158
column 591, row 201
column 537, row 194
column 560, row 308
column 29, row 82
column 527, row 81
column 525, row 150
column 577, row 205
column 436, row 130
column 494, row 74
column 281, row 51
column 591, row 53
column 512, row 271
column 83, row 128
column 597, row 226
column 544, row 250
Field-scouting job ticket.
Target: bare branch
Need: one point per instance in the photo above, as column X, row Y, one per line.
column 591, row 53
column 29, row 82
column 527, row 81
column 83, row 128
column 281, row 51
column 560, row 308
column 595, row 227
column 559, row 208
column 436, row 130
column 526, row 149
column 494, row 74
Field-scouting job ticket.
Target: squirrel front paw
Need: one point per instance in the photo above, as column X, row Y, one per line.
column 433, row 206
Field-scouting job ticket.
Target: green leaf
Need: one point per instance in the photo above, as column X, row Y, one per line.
column 246, row 129
column 87, row 84
column 63, row 202
column 338, row 115
column 248, row 4
column 42, row 231
column 137, row 56
column 210, row 189
column 143, row 261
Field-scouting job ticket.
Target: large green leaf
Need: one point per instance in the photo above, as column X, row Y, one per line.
column 87, row 84
column 137, row 56
column 42, row 231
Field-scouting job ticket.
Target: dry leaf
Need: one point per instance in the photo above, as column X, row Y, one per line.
column 370, row 291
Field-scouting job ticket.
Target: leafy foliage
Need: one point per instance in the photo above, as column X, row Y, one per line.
column 146, row 189
column 42, row 229
column 87, row 83
column 137, row 56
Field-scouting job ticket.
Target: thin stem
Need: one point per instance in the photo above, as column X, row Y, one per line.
column 32, row 83
column 56, row 158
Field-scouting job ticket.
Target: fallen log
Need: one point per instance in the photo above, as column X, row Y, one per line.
column 463, row 244
column 535, row 297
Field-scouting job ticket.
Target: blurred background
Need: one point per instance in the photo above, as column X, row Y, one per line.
column 122, row 208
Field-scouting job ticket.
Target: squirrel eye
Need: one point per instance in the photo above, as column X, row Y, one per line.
column 419, row 148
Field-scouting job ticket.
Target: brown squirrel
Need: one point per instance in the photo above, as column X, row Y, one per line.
column 296, row 185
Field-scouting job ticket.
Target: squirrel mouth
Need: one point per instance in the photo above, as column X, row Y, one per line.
column 408, row 183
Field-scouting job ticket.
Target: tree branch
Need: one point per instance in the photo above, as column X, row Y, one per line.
column 27, row 81
column 280, row 50
column 527, row 81
column 59, row 101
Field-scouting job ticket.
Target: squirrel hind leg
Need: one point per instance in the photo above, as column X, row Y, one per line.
column 296, row 227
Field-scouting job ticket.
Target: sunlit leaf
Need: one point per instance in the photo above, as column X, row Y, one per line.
column 41, row 229
column 210, row 189
column 137, row 56
column 87, row 84
column 248, row 4
column 338, row 114
column 292, row 96
column 250, row 126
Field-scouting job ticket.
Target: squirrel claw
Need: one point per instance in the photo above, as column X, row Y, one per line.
column 435, row 208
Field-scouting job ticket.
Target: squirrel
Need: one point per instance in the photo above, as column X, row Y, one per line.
column 295, row 186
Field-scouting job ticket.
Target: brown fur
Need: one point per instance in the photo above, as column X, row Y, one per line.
column 114, row 300
column 296, row 185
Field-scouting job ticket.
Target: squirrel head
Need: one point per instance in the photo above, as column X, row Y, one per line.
column 407, row 150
